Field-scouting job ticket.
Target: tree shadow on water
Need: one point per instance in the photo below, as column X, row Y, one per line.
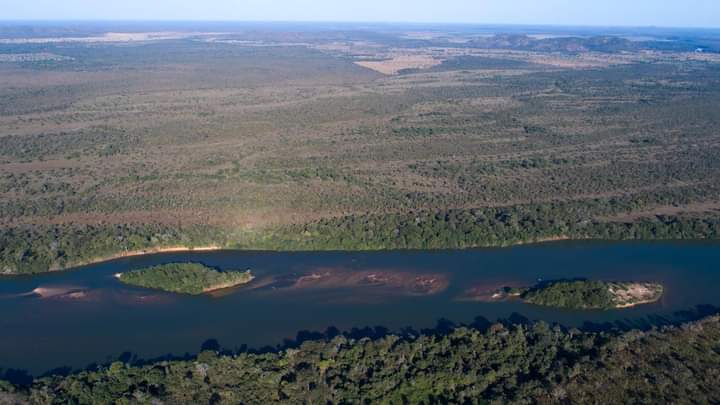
column 699, row 312
column 17, row 377
column 442, row 327
column 652, row 321
column 210, row 344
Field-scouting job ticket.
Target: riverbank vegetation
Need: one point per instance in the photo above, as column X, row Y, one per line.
column 504, row 364
column 35, row 249
column 490, row 227
column 185, row 278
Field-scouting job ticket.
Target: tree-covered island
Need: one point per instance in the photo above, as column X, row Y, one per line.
column 584, row 294
column 185, row 278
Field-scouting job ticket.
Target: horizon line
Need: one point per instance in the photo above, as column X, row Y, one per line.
column 427, row 23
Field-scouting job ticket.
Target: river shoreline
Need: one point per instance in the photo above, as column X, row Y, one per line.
column 211, row 248
column 133, row 253
column 227, row 286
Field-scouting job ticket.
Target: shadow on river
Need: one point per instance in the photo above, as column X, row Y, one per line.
column 443, row 327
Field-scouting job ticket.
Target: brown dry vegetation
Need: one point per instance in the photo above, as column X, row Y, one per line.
column 399, row 63
column 249, row 137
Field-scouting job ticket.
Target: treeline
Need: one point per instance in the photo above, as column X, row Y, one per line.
column 36, row 249
column 504, row 364
column 489, row 227
column 597, row 43
column 33, row 249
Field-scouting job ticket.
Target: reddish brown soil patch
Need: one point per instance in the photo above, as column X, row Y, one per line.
column 490, row 292
column 403, row 281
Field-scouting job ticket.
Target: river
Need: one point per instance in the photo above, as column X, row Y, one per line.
column 87, row 316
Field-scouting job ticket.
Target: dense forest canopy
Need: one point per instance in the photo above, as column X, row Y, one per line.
column 505, row 364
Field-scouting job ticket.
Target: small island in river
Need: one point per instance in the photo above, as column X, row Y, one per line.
column 185, row 278
column 579, row 294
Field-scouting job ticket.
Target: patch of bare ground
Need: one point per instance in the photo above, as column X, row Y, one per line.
column 405, row 282
column 489, row 292
column 111, row 37
column 230, row 218
column 218, row 288
column 23, row 167
column 165, row 217
column 398, row 63
column 628, row 295
column 65, row 294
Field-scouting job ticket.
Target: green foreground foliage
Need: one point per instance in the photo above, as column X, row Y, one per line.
column 185, row 278
column 515, row 364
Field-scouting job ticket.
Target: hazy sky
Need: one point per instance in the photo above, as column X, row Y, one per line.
column 684, row 13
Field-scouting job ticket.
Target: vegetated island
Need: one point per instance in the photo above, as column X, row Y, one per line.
column 583, row 294
column 185, row 278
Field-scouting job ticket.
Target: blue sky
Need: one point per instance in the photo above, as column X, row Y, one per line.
column 675, row 13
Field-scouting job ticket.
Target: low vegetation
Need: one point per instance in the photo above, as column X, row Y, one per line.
column 504, row 364
column 185, row 278
column 278, row 140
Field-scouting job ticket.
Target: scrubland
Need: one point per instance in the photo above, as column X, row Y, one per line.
column 286, row 142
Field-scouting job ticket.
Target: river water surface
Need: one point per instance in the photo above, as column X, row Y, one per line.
column 87, row 316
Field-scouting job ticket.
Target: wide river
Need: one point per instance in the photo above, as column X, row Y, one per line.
column 87, row 316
